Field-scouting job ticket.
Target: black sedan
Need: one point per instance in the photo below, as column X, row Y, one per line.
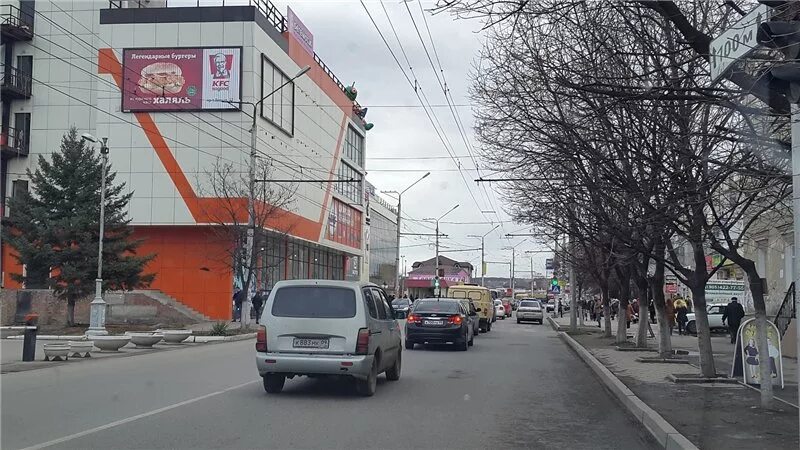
column 401, row 306
column 439, row 321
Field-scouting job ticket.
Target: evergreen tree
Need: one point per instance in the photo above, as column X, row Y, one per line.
column 55, row 229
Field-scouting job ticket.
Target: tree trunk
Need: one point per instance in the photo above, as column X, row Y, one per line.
column 657, row 290
column 707, row 367
column 641, row 290
column 622, row 316
column 606, row 311
column 580, row 295
column 764, row 370
column 71, row 312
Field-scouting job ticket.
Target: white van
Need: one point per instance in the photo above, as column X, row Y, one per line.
column 324, row 327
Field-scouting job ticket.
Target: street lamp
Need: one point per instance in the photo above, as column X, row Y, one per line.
column 251, row 213
column 97, row 314
column 483, row 264
column 513, row 249
column 437, row 237
column 399, row 294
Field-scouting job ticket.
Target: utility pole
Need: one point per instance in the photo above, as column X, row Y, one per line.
column 397, row 292
column 513, row 263
column 437, row 241
column 796, row 226
column 483, row 262
column 573, row 292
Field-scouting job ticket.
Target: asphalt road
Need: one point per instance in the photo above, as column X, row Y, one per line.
column 519, row 386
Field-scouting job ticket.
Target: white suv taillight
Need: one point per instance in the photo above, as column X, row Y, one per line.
column 261, row 339
column 362, row 342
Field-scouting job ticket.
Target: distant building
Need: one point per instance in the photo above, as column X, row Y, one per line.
column 419, row 282
column 381, row 250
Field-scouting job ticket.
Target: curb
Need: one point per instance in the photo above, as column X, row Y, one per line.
column 664, row 433
column 553, row 324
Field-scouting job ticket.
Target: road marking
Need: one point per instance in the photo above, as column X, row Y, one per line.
column 134, row 418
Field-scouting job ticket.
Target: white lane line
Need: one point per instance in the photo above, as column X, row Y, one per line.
column 134, row 418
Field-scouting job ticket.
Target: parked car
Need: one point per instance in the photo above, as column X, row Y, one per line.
column 499, row 310
column 715, row 313
column 550, row 306
column 507, row 306
column 401, row 307
column 530, row 310
column 323, row 327
column 482, row 298
column 439, row 321
column 473, row 317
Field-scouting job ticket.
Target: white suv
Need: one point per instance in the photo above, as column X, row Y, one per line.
column 322, row 327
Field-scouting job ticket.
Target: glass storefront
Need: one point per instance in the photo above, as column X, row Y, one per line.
column 382, row 250
column 285, row 258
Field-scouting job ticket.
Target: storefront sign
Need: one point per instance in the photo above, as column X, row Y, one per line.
column 299, row 31
column 181, row 79
column 723, row 290
column 747, row 358
column 671, row 288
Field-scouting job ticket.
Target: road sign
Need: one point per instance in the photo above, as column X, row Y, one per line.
column 548, row 264
column 555, row 289
column 554, row 282
column 736, row 42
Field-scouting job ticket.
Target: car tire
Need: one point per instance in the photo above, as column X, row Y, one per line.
column 691, row 327
column 273, row 383
column 409, row 345
column 367, row 387
column 519, row 321
column 489, row 327
column 393, row 373
column 463, row 345
column 471, row 341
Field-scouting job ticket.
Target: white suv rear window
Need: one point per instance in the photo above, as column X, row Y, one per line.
column 314, row 302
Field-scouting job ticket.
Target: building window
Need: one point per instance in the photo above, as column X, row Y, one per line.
column 344, row 224
column 354, row 146
column 279, row 107
column 350, row 190
column 18, row 187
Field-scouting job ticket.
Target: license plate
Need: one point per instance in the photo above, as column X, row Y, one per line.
column 310, row 343
column 433, row 322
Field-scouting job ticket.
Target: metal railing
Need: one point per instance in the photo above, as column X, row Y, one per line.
column 10, row 15
column 16, row 79
column 786, row 312
column 15, row 139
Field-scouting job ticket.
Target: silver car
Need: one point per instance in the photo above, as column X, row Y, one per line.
column 322, row 327
column 530, row 310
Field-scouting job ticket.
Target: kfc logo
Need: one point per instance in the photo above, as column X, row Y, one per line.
column 221, row 65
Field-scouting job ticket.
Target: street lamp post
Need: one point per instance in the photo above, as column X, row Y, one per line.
column 513, row 249
column 483, row 262
column 97, row 312
column 251, row 188
column 398, row 293
column 437, row 239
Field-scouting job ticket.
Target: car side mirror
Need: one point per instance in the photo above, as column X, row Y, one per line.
column 477, row 310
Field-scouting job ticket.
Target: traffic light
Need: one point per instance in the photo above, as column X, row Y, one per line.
column 554, row 282
column 436, row 282
column 783, row 76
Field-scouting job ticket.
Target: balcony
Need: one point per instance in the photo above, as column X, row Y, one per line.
column 15, row 84
column 14, row 143
column 15, row 24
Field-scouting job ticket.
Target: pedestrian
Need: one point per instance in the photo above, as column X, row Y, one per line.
column 734, row 314
column 560, row 308
column 258, row 302
column 669, row 312
column 681, row 312
column 238, row 296
column 635, row 310
column 614, row 308
column 405, row 295
column 651, row 308
column 628, row 315
column 598, row 311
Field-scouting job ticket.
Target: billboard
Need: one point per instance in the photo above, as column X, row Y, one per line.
column 299, row 31
column 181, row 79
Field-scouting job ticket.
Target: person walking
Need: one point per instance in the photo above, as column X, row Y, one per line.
column 681, row 312
column 598, row 311
column 628, row 315
column 258, row 302
column 560, row 308
column 733, row 314
column 651, row 308
column 238, row 296
column 670, row 313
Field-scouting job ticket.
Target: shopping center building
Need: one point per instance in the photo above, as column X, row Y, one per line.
column 162, row 80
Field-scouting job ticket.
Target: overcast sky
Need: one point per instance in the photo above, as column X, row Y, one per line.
column 349, row 44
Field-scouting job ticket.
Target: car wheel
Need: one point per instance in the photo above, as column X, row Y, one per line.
column 691, row 327
column 393, row 373
column 273, row 383
column 463, row 345
column 409, row 345
column 367, row 387
column 489, row 327
column 471, row 341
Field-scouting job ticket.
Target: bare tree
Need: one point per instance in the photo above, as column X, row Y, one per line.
column 272, row 218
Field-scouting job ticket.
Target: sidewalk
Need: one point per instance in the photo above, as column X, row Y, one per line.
column 715, row 415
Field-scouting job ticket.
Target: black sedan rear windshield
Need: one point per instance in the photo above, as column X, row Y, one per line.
column 530, row 304
column 430, row 306
column 314, row 301
column 400, row 302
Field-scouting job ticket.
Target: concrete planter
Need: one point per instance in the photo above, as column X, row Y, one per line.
column 81, row 349
column 56, row 352
column 145, row 340
column 110, row 343
column 175, row 336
